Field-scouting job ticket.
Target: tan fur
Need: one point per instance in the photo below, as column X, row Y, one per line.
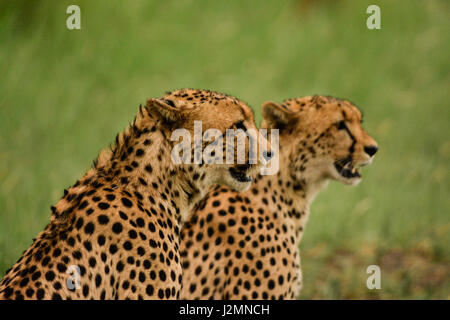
column 246, row 245
column 119, row 224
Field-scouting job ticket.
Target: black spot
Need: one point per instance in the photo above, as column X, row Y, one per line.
column 56, row 253
column 132, row 234
column 36, row 275
column 113, row 249
column 79, row 223
column 153, row 243
column 103, row 219
column 103, row 205
column 127, row 203
column 85, row 290
column 40, row 294
column 29, row 292
column 127, row 245
column 98, row 280
column 149, row 290
column 50, row 275
column 123, row 215
column 83, row 205
column 101, row 240
column 77, row 255
column 117, row 228
column 141, row 251
column 61, row 267
column 71, row 241
column 92, row 262
column 24, row 282
column 140, row 222
column 8, row 292
column 120, row 266
column 110, row 197
column 89, row 228
column 87, row 245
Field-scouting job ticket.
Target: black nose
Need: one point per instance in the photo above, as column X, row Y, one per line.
column 371, row 150
column 268, row 155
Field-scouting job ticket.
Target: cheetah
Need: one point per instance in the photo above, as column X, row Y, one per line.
column 246, row 245
column 115, row 233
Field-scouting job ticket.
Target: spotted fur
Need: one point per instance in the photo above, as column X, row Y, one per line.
column 246, row 245
column 119, row 224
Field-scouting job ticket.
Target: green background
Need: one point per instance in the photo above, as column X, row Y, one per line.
column 65, row 94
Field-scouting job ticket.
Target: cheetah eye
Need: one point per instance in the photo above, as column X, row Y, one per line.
column 170, row 103
column 240, row 125
column 341, row 125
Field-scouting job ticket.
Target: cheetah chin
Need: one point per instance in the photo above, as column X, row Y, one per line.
column 240, row 176
column 245, row 173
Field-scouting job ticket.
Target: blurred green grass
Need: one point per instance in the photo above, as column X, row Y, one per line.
column 65, row 94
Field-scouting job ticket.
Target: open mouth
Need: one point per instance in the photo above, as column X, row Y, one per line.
column 240, row 176
column 346, row 169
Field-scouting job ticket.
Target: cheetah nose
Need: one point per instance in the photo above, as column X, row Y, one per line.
column 371, row 150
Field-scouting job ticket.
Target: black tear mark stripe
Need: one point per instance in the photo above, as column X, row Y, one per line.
column 352, row 147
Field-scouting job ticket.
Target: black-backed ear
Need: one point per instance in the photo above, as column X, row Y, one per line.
column 164, row 109
column 275, row 115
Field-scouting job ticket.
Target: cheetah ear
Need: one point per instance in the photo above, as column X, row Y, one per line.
column 275, row 115
column 164, row 109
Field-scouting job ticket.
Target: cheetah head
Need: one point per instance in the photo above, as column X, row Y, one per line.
column 212, row 156
column 326, row 137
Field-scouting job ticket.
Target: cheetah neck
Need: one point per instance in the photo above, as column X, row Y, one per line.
column 140, row 162
column 290, row 195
